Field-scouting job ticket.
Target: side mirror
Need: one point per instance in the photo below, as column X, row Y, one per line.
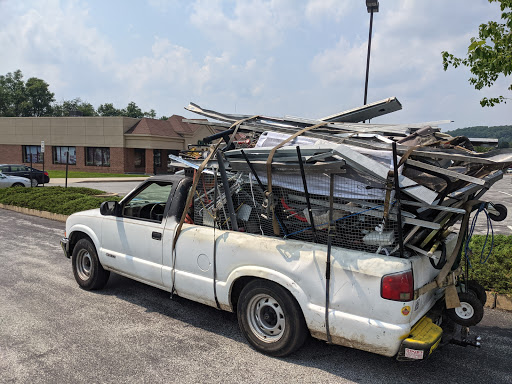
column 109, row 208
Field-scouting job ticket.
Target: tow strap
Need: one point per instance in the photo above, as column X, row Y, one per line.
column 190, row 197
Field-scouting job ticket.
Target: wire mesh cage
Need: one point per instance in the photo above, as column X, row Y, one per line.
column 358, row 202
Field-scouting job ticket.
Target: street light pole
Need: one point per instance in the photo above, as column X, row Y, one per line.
column 372, row 6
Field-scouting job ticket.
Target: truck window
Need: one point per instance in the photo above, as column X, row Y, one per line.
column 149, row 203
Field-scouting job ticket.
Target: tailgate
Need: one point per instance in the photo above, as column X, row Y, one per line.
column 423, row 273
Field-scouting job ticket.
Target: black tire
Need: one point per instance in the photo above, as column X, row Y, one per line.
column 17, row 185
column 469, row 313
column 270, row 318
column 478, row 290
column 88, row 271
column 502, row 212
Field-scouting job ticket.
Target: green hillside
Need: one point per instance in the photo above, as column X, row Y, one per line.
column 503, row 133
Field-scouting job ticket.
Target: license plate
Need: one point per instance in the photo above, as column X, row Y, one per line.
column 414, row 354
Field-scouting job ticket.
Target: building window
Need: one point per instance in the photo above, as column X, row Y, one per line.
column 99, row 157
column 32, row 152
column 140, row 157
column 157, row 157
column 60, row 155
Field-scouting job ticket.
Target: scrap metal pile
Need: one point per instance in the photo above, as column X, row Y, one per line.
column 390, row 189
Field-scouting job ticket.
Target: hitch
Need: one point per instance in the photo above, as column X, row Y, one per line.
column 465, row 340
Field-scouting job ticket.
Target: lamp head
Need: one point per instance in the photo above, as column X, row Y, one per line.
column 372, row 5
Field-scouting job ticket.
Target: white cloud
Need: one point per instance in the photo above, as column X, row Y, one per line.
column 48, row 36
column 163, row 5
column 318, row 10
column 258, row 23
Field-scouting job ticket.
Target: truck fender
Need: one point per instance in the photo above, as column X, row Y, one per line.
column 84, row 229
column 266, row 274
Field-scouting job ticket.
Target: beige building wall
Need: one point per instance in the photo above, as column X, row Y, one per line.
column 64, row 131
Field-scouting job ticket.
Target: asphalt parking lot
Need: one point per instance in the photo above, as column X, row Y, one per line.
column 51, row 331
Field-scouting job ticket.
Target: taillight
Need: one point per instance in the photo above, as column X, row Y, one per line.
column 45, row 173
column 398, row 286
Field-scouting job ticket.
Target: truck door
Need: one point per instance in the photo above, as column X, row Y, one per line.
column 132, row 242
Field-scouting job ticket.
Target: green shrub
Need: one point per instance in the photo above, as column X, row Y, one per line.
column 496, row 273
column 54, row 199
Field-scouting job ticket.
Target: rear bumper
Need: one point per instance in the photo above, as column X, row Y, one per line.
column 64, row 244
column 423, row 340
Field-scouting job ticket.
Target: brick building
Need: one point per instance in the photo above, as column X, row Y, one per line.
column 97, row 144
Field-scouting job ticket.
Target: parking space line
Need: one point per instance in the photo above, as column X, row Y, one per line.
column 505, row 193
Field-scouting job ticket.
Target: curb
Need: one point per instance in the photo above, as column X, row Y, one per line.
column 499, row 301
column 35, row 212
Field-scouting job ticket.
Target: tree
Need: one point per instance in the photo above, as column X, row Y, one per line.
column 151, row 114
column 39, row 98
column 13, row 94
column 132, row 110
column 489, row 55
column 20, row 99
column 108, row 109
column 74, row 107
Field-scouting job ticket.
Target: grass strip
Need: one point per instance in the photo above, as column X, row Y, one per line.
column 60, row 200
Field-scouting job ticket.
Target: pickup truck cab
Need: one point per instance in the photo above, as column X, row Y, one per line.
column 277, row 287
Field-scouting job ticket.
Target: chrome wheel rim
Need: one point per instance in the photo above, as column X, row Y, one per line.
column 465, row 311
column 83, row 264
column 266, row 318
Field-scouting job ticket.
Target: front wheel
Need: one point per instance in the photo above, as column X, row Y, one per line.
column 88, row 271
column 17, row 185
column 270, row 318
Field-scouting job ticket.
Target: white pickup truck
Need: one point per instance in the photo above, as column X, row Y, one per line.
column 277, row 287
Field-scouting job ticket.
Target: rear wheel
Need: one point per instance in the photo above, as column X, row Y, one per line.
column 88, row 272
column 270, row 318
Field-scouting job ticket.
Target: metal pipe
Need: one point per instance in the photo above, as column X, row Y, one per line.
column 306, row 193
column 398, row 204
column 328, row 261
column 31, row 155
column 215, row 179
column 251, row 167
column 67, row 166
column 227, row 191
column 224, row 134
column 43, row 169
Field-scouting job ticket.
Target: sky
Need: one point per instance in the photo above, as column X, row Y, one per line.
column 302, row 58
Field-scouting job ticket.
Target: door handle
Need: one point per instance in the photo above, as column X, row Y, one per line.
column 156, row 236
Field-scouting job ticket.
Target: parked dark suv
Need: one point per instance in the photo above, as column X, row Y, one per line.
column 38, row 177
